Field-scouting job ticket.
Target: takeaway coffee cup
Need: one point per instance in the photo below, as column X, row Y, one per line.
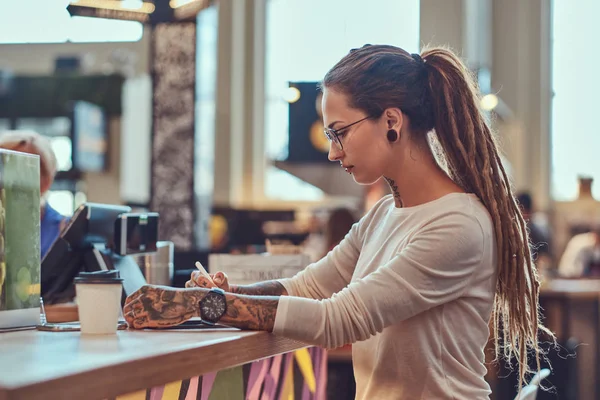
column 99, row 301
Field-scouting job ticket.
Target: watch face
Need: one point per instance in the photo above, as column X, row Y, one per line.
column 212, row 307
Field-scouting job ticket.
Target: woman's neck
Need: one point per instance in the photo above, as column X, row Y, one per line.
column 420, row 180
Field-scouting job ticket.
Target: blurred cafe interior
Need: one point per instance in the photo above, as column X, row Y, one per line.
column 205, row 115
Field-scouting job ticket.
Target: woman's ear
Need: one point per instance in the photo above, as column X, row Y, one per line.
column 394, row 119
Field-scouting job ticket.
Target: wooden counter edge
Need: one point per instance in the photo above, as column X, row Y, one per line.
column 107, row 382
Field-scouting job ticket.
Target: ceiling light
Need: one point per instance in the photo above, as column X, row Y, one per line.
column 181, row 3
column 118, row 5
column 291, row 95
column 489, row 102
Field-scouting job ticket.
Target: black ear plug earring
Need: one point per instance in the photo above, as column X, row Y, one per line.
column 392, row 136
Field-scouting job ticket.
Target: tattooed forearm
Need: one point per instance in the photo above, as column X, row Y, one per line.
column 251, row 312
column 156, row 306
column 395, row 192
column 268, row 288
column 159, row 306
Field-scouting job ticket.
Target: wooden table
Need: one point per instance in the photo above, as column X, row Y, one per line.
column 68, row 365
column 589, row 288
column 572, row 310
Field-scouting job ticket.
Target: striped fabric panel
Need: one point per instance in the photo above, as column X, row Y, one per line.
column 192, row 392
column 287, row 388
column 171, row 391
column 258, row 372
column 301, row 374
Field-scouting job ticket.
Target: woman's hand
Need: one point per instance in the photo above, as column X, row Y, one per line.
column 161, row 306
column 198, row 280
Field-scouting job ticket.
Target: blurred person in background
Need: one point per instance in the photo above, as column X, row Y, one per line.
column 338, row 225
column 581, row 258
column 51, row 221
column 325, row 235
column 539, row 231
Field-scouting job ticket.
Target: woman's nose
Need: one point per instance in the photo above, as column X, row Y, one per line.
column 335, row 153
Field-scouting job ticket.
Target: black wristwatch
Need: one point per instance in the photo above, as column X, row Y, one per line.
column 213, row 306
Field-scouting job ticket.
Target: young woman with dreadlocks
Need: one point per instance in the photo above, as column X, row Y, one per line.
column 416, row 281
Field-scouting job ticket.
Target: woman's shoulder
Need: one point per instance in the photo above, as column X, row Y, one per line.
column 459, row 214
column 465, row 209
column 461, row 210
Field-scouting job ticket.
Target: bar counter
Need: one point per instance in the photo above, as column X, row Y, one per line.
column 68, row 365
column 571, row 308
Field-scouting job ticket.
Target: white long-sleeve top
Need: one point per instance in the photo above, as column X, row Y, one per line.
column 413, row 289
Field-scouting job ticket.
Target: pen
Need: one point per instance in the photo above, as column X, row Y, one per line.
column 204, row 273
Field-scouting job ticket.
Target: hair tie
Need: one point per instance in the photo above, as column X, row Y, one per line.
column 417, row 58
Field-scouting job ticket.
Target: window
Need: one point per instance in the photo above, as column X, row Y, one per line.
column 304, row 39
column 59, row 126
column 575, row 137
column 4, row 124
column 48, row 21
column 63, row 149
column 65, row 202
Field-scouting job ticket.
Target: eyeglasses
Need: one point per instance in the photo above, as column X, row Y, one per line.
column 333, row 135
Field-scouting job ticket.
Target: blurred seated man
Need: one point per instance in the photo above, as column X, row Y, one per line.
column 51, row 221
column 338, row 225
column 539, row 233
column 325, row 236
column 581, row 258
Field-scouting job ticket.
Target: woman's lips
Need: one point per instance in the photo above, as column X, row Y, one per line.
column 348, row 168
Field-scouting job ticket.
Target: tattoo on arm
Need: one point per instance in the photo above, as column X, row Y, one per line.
column 158, row 307
column 251, row 312
column 395, row 191
column 154, row 306
column 268, row 288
